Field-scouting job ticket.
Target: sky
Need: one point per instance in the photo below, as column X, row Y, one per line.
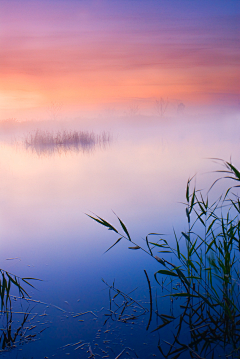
column 79, row 54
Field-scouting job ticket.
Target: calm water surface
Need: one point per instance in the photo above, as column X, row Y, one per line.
column 141, row 175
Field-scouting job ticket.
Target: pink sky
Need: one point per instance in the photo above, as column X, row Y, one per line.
column 91, row 53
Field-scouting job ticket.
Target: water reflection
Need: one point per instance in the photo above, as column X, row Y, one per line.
column 123, row 307
column 26, row 320
column 49, row 143
column 19, row 326
column 32, row 321
column 9, row 336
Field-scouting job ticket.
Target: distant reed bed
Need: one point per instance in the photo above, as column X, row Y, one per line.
column 46, row 142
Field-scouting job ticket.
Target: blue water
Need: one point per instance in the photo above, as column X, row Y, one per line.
column 141, row 175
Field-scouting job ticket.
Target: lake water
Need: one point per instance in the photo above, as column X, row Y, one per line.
column 141, row 175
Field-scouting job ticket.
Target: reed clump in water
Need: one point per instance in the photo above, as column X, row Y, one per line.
column 50, row 142
column 203, row 273
column 8, row 281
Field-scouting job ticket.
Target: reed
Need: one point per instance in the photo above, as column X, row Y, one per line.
column 50, row 142
column 9, row 281
column 204, row 273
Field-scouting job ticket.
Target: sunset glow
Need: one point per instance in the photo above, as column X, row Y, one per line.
column 91, row 53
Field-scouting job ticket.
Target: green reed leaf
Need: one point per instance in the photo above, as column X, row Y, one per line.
column 192, row 201
column 193, row 247
column 123, row 227
column 186, row 236
column 234, row 170
column 166, row 272
column 182, row 276
column 135, row 247
column 211, row 224
column 160, row 261
column 159, row 245
column 178, row 248
column 118, row 240
column 187, row 191
column 191, row 264
column 183, row 295
column 103, row 223
column 150, row 250
column 201, row 207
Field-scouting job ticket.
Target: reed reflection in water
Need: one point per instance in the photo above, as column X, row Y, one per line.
column 48, row 143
